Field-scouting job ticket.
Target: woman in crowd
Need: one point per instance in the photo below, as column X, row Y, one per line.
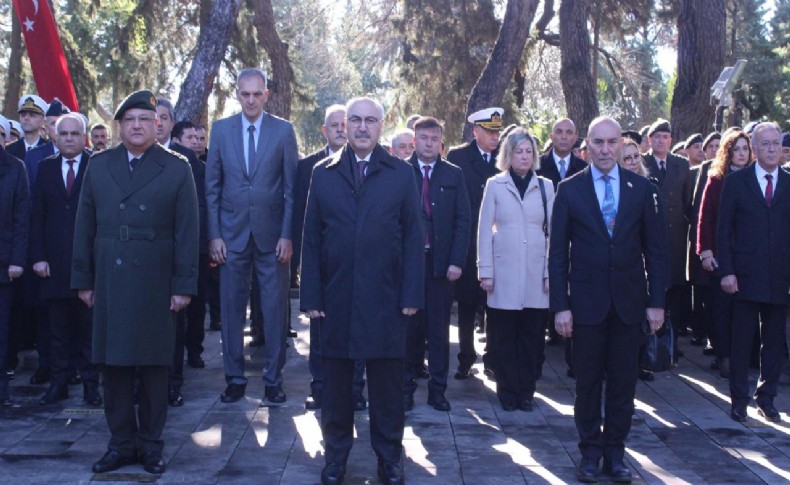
column 734, row 154
column 512, row 263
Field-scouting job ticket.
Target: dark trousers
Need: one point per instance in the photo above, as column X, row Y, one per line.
column 675, row 307
column 256, row 314
column 196, row 311
column 141, row 430
column 747, row 316
column 5, row 316
column 701, row 317
column 212, row 295
column 71, row 331
column 432, row 324
column 610, row 349
column 520, row 336
column 317, row 370
column 385, row 393
column 721, row 314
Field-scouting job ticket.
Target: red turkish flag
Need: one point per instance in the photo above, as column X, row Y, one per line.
column 45, row 51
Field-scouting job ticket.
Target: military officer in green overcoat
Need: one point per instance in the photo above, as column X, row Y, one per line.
column 135, row 262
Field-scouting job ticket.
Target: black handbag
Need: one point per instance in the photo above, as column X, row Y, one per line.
column 658, row 355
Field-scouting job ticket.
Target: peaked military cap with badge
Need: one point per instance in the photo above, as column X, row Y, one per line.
column 143, row 99
column 489, row 118
column 6, row 127
column 33, row 104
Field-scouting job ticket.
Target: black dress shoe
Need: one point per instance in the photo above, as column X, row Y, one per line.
column 273, row 396
column 489, row 372
column 215, row 326
column 570, row 373
column 111, row 461
column 408, row 402
column 587, row 471
column 91, row 396
column 292, row 333
column 54, row 394
column 438, row 401
column 174, row 398
column 312, row 402
column 257, row 341
column 617, row 471
column 196, row 362
column 646, row 375
column 390, row 473
column 766, row 409
column 526, row 405
column 233, row 393
column 360, row 404
column 333, row 474
column 739, row 414
column 698, row 341
column 463, row 372
column 41, row 376
column 153, row 463
column 709, row 351
column 506, row 406
column 422, row 373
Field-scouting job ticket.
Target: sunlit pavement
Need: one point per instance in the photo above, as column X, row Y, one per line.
column 681, row 432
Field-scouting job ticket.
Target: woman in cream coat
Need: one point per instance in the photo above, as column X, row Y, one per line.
column 512, row 257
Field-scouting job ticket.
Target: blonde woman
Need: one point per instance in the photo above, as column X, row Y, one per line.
column 512, row 261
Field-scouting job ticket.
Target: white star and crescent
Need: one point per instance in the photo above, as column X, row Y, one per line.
column 28, row 24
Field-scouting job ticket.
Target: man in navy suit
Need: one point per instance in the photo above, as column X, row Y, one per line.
column 55, row 201
column 753, row 237
column 608, row 271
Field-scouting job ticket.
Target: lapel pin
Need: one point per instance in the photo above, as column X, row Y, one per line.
column 655, row 201
column 630, row 185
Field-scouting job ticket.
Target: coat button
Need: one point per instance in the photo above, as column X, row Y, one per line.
column 123, row 206
column 142, row 207
column 118, row 261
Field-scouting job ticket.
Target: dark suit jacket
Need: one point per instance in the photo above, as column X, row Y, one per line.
column 676, row 190
column 753, row 239
column 600, row 270
column 34, row 158
column 363, row 256
column 549, row 169
column 698, row 178
column 199, row 174
column 450, row 217
column 18, row 150
column 304, row 170
column 14, row 214
column 476, row 173
column 52, row 228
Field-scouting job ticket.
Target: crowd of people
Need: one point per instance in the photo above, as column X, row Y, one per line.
column 113, row 254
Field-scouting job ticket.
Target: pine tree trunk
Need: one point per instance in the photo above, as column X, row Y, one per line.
column 282, row 74
column 701, row 41
column 502, row 63
column 13, row 83
column 578, row 85
column 211, row 46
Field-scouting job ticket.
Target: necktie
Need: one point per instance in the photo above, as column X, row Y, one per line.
column 29, row 148
column 133, row 163
column 769, row 189
column 562, row 168
column 250, row 146
column 608, row 208
column 361, row 166
column 426, row 198
column 485, row 157
column 662, row 167
column 70, row 176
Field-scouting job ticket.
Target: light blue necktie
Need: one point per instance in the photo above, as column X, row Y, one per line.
column 608, row 208
column 562, row 168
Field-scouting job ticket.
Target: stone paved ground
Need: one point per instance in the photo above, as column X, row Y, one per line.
column 681, row 433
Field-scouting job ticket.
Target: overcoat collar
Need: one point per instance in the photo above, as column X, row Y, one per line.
column 151, row 164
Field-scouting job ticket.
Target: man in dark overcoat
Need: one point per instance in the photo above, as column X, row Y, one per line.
column 362, row 266
column 477, row 162
column 15, row 227
column 137, row 228
column 672, row 173
column 55, row 200
column 753, row 239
